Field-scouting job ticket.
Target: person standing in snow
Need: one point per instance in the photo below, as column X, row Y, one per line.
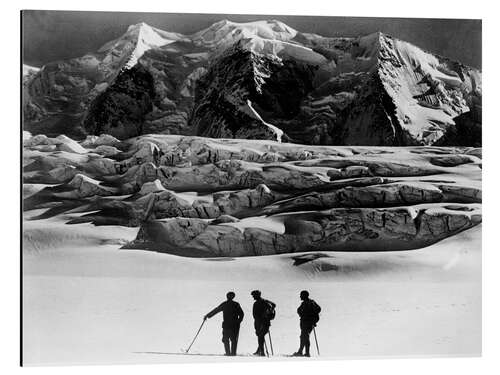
column 232, row 316
column 309, row 316
column 263, row 313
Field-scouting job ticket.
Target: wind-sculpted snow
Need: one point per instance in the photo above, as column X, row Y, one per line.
column 208, row 197
column 259, row 80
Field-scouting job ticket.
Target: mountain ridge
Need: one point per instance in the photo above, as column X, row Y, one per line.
column 428, row 91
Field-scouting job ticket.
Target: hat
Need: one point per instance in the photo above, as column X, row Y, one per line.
column 255, row 293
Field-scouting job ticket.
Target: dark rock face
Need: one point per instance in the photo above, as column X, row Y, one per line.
column 451, row 160
column 370, row 119
column 59, row 88
column 121, row 110
column 274, row 87
column 468, row 129
column 467, row 132
column 176, row 72
column 282, row 92
column 222, row 92
column 56, row 99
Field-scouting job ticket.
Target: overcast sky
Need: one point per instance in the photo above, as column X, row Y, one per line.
column 55, row 35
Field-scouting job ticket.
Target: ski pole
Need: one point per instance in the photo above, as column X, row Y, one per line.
column 265, row 346
column 316, row 339
column 197, row 333
column 237, row 339
column 271, row 342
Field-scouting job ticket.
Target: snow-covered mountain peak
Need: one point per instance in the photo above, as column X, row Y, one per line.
column 138, row 39
column 138, row 26
column 429, row 91
column 148, row 37
column 226, row 32
column 27, row 70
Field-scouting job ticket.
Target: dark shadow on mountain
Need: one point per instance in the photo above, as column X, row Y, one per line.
column 121, row 110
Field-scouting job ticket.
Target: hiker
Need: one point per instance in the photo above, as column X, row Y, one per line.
column 263, row 313
column 232, row 316
column 309, row 316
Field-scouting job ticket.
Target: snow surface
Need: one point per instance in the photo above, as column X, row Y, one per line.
column 268, row 37
column 88, row 302
column 227, row 32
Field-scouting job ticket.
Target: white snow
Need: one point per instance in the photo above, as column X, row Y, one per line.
column 28, row 69
column 69, row 145
column 270, row 37
column 273, row 224
column 147, row 38
column 87, row 302
column 81, row 178
column 284, row 49
column 226, row 32
column 138, row 39
column 277, row 131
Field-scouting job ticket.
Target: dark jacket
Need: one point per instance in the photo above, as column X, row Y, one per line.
column 231, row 312
column 260, row 307
column 309, row 311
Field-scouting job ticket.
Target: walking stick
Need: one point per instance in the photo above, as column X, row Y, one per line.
column 316, row 339
column 265, row 347
column 237, row 338
column 271, row 342
column 197, row 333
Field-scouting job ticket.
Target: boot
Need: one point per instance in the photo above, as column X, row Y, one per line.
column 226, row 348
column 233, row 348
column 259, row 352
column 298, row 353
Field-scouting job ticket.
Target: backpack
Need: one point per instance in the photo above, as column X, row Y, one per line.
column 315, row 310
column 270, row 312
column 310, row 311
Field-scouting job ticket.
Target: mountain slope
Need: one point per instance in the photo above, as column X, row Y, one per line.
column 62, row 91
column 370, row 90
column 137, row 40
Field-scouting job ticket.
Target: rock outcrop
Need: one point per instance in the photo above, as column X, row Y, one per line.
column 339, row 229
column 206, row 197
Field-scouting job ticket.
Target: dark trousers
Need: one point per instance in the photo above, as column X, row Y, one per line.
column 305, row 331
column 261, row 330
column 230, row 339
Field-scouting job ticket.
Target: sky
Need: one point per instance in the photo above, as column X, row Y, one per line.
column 55, row 35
